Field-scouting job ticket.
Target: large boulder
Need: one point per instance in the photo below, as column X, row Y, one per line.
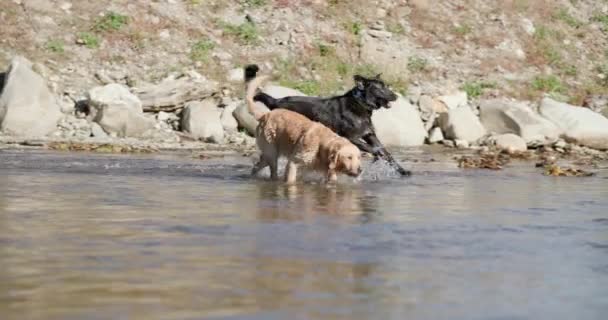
column 202, row 121
column 435, row 135
column 227, row 119
column 118, row 111
column 579, row 125
column 510, row 142
column 246, row 119
column 27, row 106
column 461, row 124
column 505, row 116
column 455, row 100
column 400, row 125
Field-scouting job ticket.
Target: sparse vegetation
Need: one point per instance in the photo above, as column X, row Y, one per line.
column 570, row 70
column 567, row 18
column 254, row 3
column 246, row 33
column 476, row 89
column 89, row 40
column 416, row 64
column 603, row 74
column 463, row 29
column 325, row 50
column 548, row 84
column 200, row 50
column 395, row 28
column 111, row 21
column 603, row 19
column 355, row 28
column 308, row 87
column 55, row 46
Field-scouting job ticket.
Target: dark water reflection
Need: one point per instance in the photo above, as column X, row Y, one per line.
column 165, row 237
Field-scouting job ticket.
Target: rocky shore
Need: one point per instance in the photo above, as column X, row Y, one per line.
column 189, row 112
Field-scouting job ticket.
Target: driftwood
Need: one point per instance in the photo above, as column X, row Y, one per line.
column 171, row 94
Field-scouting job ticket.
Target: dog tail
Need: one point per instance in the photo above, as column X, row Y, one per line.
column 251, row 72
column 252, row 87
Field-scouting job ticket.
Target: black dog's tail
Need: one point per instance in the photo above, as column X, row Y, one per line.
column 251, row 72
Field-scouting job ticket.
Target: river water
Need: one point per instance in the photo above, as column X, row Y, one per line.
column 89, row 236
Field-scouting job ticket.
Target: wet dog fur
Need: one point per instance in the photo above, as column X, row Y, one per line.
column 348, row 115
column 303, row 142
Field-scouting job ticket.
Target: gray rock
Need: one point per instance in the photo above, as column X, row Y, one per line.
column 461, row 144
column 246, row 119
column 461, row 124
column 560, row 144
column 202, row 121
column 511, row 143
column 227, row 119
column 380, row 34
column 236, row 75
column 97, row 131
column 453, row 101
column 400, row 125
column 119, row 112
column 163, row 116
column 435, row 136
column 414, row 93
column 281, row 92
column 27, row 106
column 579, row 125
column 449, row 143
column 505, row 116
column 426, row 104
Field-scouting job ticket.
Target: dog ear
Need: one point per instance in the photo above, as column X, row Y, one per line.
column 359, row 82
column 333, row 158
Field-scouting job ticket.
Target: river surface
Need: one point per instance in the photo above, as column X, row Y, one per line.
column 89, row 236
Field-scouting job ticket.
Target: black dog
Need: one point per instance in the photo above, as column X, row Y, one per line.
column 348, row 115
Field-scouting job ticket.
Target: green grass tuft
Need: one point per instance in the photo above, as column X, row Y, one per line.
column 476, row 88
column 548, row 84
column 55, row 46
column 416, row 64
column 246, row 33
column 200, row 50
column 111, row 21
column 89, row 40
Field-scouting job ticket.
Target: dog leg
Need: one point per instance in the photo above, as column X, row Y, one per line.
column 291, row 172
column 274, row 170
column 380, row 152
column 261, row 164
column 332, row 176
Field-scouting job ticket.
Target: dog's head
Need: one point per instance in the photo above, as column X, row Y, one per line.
column 373, row 92
column 345, row 157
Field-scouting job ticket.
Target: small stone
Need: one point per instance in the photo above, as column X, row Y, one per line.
column 435, row 136
column 511, row 143
column 560, row 144
column 236, row 75
column 449, row 143
column 66, row 6
column 97, row 131
column 164, row 34
column 461, row 144
column 163, row 116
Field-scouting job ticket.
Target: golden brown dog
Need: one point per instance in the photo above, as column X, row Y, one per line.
column 303, row 142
